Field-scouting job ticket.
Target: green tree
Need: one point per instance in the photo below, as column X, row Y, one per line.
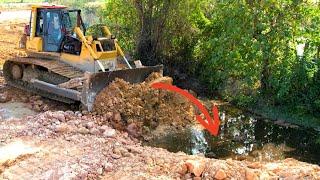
column 245, row 50
column 249, row 47
column 154, row 30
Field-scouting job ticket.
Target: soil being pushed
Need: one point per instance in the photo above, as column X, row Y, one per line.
column 143, row 108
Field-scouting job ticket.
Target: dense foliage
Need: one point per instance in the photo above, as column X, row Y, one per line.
column 245, row 50
column 250, row 51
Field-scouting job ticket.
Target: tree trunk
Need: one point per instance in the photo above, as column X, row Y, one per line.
column 152, row 20
column 318, row 52
column 265, row 87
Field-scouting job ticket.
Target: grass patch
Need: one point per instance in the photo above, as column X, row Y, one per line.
column 287, row 114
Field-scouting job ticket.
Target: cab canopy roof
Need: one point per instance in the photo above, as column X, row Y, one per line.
column 48, row 6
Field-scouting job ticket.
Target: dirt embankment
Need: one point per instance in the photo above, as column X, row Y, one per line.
column 9, row 38
column 71, row 145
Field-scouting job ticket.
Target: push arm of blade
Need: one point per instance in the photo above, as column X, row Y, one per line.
column 101, row 65
column 85, row 42
column 72, row 83
column 119, row 50
column 101, row 47
column 106, row 31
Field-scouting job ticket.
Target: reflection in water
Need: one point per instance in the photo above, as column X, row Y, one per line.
column 242, row 136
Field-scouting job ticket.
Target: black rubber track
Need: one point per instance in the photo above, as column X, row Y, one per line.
column 45, row 76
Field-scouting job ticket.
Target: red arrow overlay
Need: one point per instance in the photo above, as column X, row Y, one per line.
column 211, row 125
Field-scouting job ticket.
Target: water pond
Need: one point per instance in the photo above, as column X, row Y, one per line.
column 243, row 136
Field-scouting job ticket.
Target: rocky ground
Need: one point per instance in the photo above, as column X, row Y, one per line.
column 71, row 145
column 59, row 143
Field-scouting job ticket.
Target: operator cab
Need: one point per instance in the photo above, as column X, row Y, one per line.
column 57, row 33
column 54, row 25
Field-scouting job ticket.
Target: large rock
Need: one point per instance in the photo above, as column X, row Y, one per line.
column 4, row 98
column 62, row 128
column 220, row 174
column 250, row 175
column 109, row 133
column 165, row 80
column 133, row 130
column 255, row 165
column 59, row 115
column 196, row 167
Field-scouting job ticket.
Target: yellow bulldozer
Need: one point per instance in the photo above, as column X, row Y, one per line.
column 65, row 64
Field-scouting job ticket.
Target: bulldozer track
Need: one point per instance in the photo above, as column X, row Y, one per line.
column 55, row 66
column 59, row 68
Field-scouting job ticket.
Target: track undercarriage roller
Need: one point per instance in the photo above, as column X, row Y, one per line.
column 20, row 75
column 16, row 71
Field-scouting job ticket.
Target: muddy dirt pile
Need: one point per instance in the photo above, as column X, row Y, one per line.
column 143, row 108
column 10, row 36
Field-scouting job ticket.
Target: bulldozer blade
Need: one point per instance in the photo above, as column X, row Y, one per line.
column 95, row 82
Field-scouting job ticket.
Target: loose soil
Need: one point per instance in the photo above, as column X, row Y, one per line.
column 143, row 108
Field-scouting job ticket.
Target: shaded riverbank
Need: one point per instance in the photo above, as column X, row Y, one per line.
column 243, row 136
